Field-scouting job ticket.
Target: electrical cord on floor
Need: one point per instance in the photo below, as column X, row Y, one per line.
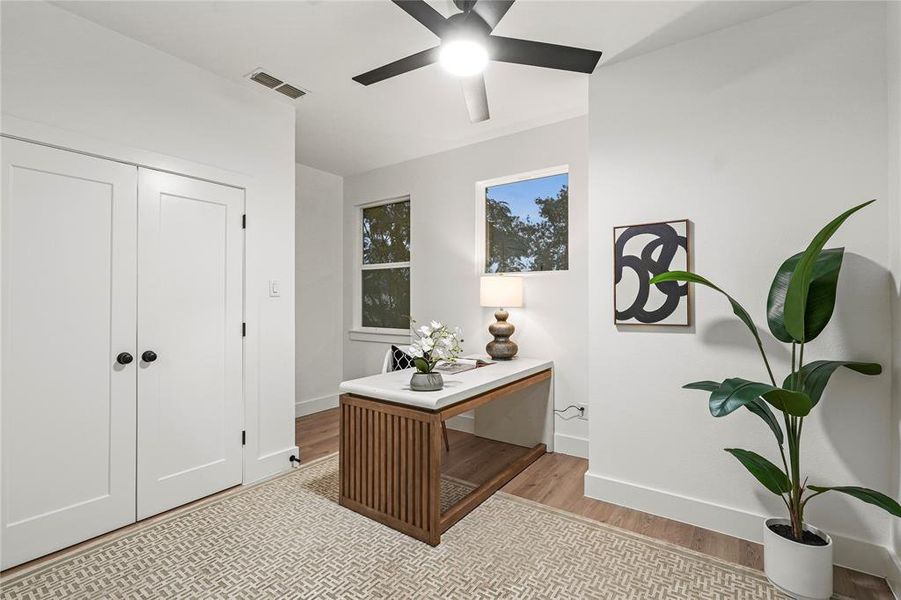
column 560, row 411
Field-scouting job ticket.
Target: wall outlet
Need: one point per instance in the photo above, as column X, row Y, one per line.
column 584, row 410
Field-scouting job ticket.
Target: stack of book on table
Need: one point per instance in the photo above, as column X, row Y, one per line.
column 461, row 365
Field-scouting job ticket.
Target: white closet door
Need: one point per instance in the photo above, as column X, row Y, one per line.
column 190, row 299
column 68, row 310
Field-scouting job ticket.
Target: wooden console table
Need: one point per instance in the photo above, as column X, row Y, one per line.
column 390, row 446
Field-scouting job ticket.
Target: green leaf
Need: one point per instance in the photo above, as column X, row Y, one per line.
column 797, row 404
column 772, row 477
column 706, row 386
column 820, row 299
column 422, row 365
column 737, row 308
column 867, row 495
column 799, row 284
column 737, row 392
column 756, row 405
column 815, row 375
column 759, row 408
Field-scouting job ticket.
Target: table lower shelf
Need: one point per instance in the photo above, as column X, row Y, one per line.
column 484, row 491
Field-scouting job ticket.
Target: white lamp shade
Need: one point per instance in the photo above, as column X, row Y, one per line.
column 501, row 291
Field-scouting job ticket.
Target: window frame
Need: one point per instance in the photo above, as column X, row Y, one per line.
column 377, row 334
column 482, row 223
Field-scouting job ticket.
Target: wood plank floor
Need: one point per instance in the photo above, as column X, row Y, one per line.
column 557, row 480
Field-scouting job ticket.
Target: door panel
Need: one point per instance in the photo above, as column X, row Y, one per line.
column 190, row 308
column 68, row 309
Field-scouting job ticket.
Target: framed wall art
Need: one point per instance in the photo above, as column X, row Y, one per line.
column 639, row 253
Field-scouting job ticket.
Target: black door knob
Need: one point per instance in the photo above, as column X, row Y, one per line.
column 124, row 358
column 148, row 356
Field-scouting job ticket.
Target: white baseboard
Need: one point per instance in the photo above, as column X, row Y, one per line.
column 893, row 576
column 465, row 422
column 315, row 405
column 849, row 552
column 571, row 445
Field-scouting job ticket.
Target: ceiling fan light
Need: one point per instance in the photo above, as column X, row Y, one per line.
column 463, row 57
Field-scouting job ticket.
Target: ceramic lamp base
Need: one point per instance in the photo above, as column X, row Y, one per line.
column 501, row 347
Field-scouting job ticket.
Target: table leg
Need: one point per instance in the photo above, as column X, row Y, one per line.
column 390, row 465
column 436, row 429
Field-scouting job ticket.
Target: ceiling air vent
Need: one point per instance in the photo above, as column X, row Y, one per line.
column 290, row 91
column 266, row 79
column 274, row 83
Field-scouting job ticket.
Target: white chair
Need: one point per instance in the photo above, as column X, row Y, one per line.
column 386, row 367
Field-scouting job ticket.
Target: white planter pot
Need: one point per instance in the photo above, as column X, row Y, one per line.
column 801, row 571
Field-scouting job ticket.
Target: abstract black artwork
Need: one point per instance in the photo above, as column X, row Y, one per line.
column 639, row 253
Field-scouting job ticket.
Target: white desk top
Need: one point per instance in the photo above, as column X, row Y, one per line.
column 395, row 386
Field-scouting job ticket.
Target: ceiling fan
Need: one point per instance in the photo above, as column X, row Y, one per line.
column 467, row 45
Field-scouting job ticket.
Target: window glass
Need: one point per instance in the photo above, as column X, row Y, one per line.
column 386, row 298
column 386, row 233
column 385, row 268
column 527, row 225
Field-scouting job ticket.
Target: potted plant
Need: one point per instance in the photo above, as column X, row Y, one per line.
column 435, row 343
column 797, row 556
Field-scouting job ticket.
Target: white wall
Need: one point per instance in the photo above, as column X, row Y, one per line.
column 445, row 282
column 758, row 133
column 68, row 81
column 893, row 71
column 320, row 327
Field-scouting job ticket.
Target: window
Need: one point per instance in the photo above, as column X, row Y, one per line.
column 385, row 265
column 527, row 224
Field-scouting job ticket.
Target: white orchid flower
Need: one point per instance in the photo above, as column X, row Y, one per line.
column 437, row 342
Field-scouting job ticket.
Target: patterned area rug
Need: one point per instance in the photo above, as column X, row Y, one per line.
column 288, row 538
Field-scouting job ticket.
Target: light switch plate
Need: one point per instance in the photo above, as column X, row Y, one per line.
column 275, row 288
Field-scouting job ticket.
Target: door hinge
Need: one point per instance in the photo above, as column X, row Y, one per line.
column 243, row 221
column 243, row 329
column 243, row 437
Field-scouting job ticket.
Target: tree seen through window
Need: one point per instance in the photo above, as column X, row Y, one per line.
column 385, row 275
column 527, row 225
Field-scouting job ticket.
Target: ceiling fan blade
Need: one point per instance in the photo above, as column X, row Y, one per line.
column 425, row 14
column 399, row 67
column 492, row 11
column 476, row 97
column 540, row 54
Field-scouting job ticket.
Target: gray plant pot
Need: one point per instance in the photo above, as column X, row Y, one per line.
column 426, row 382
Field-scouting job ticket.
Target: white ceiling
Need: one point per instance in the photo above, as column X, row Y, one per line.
column 344, row 127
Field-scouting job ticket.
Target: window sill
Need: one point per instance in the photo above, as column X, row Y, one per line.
column 400, row 336
column 523, row 273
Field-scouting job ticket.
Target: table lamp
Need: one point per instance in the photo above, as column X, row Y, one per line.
column 501, row 291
